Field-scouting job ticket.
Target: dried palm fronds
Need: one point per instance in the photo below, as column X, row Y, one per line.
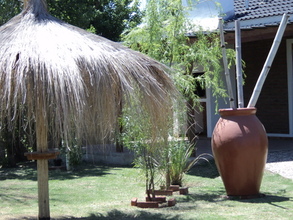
column 75, row 80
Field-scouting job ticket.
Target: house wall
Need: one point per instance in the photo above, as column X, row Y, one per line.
column 272, row 105
column 213, row 104
column 106, row 154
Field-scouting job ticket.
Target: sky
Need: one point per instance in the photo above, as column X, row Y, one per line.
column 206, row 13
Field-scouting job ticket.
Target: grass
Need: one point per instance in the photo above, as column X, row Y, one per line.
column 99, row 192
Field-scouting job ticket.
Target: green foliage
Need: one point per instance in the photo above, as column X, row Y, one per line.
column 146, row 146
column 109, row 18
column 163, row 160
column 75, row 155
column 179, row 156
column 72, row 152
column 114, row 16
column 75, row 12
column 8, row 9
column 180, row 160
column 163, row 36
column 13, row 145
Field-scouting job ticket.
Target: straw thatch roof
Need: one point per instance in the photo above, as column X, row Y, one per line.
column 77, row 80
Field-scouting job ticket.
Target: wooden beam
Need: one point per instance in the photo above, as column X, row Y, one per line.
column 42, row 146
column 43, row 190
column 257, row 34
column 42, row 155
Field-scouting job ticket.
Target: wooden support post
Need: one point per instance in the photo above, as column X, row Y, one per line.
column 42, row 146
column 43, row 190
column 42, row 156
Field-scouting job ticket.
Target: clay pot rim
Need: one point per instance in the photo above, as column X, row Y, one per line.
column 237, row 111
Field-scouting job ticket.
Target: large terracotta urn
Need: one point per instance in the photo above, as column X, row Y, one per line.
column 240, row 147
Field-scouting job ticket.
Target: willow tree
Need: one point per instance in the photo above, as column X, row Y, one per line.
column 164, row 35
column 69, row 84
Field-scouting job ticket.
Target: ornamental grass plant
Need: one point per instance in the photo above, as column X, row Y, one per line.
column 181, row 160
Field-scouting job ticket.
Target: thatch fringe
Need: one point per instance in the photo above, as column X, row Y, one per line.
column 84, row 79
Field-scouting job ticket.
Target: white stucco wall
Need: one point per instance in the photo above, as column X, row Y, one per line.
column 212, row 113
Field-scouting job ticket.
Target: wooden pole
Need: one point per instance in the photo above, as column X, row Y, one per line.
column 42, row 146
column 25, row 3
column 225, row 62
column 267, row 66
column 239, row 65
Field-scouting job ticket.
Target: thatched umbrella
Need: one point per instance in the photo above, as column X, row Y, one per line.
column 68, row 83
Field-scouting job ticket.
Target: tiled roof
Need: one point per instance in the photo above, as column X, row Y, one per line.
column 259, row 13
column 261, row 8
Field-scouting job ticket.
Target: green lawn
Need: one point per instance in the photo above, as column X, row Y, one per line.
column 99, row 192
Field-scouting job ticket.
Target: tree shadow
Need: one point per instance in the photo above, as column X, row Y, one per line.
column 213, row 196
column 142, row 215
column 15, row 198
column 28, row 171
column 206, row 169
column 115, row 215
column 23, row 171
column 80, row 171
column 220, row 196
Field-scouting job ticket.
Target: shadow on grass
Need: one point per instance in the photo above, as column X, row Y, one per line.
column 206, row 169
column 220, row 196
column 269, row 199
column 214, row 196
column 28, row 171
column 115, row 215
column 211, row 196
column 25, row 171
column 15, row 198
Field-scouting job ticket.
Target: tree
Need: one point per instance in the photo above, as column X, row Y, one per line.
column 113, row 17
column 163, row 36
column 8, row 9
column 108, row 18
column 75, row 12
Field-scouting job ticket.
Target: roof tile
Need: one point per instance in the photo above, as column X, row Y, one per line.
column 259, row 13
column 261, row 8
